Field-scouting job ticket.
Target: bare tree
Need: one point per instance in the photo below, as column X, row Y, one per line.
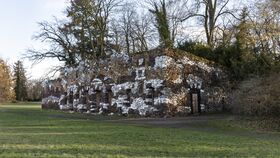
column 92, row 17
column 168, row 15
column 60, row 41
column 210, row 12
column 83, row 36
column 131, row 31
column 115, row 35
column 143, row 31
column 127, row 18
column 265, row 20
column 104, row 9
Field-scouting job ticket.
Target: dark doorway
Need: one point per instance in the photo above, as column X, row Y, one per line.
column 195, row 100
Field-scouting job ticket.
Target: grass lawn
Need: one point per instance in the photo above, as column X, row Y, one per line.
column 27, row 131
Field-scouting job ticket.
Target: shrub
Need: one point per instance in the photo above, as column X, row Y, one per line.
column 258, row 97
column 197, row 48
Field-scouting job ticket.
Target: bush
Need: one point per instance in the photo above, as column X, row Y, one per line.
column 197, row 48
column 241, row 63
column 258, row 97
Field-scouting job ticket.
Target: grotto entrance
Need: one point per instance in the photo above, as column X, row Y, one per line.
column 195, row 99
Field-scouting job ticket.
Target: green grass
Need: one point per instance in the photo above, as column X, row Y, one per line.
column 27, row 131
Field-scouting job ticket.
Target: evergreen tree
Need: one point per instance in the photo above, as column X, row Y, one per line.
column 20, row 81
column 83, row 27
column 246, row 61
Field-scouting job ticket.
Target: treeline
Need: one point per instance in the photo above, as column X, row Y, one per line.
column 242, row 37
column 15, row 86
column 250, row 46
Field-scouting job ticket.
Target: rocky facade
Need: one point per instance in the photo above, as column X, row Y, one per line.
column 155, row 83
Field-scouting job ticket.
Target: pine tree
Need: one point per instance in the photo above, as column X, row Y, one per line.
column 88, row 22
column 83, row 27
column 244, row 45
column 20, row 81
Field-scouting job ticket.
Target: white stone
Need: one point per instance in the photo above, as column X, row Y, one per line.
column 64, row 107
column 104, row 105
column 201, row 65
column 161, row 100
column 163, row 62
column 155, row 83
column 140, row 61
column 52, row 99
column 118, row 87
column 178, row 80
column 140, row 73
column 120, row 56
column 139, row 105
column 81, row 107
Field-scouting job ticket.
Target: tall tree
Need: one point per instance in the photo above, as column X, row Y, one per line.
column 168, row 15
column 82, row 27
column 35, row 90
column 244, row 39
column 20, row 81
column 210, row 12
column 6, row 93
column 127, row 21
column 60, row 40
column 104, row 12
column 266, row 26
column 83, row 36
column 130, row 31
column 143, row 31
column 242, row 59
column 162, row 23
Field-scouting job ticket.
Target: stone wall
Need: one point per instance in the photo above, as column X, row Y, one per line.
column 155, row 83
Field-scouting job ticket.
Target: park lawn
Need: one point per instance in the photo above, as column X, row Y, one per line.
column 27, row 131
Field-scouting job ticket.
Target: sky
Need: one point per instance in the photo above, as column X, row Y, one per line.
column 19, row 22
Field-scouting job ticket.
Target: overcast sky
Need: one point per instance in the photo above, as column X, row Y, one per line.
column 19, row 20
